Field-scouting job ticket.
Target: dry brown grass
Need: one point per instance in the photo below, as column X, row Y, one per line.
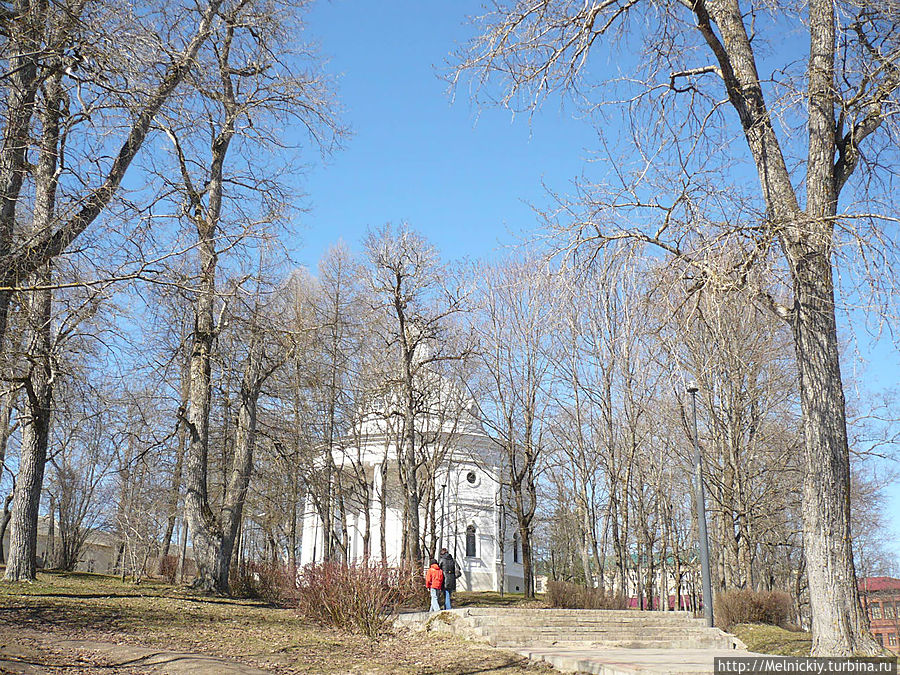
column 766, row 639
column 101, row 608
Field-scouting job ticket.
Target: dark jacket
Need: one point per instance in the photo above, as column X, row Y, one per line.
column 451, row 571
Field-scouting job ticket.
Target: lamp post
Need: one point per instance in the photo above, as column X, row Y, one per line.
column 701, row 514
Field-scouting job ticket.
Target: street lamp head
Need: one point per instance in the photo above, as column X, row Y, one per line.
column 692, row 388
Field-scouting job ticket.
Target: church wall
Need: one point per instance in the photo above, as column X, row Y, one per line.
column 467, row 496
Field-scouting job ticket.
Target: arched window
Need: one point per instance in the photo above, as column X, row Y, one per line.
column 515, row 547
column 470, row 541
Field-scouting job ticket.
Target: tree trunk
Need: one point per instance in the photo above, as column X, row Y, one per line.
column 367, row 528
column 619, row 542
column 4, row 522
column 587, row 540
column 25, row 41
column 206, row 534
column 175, row 489
column 382, row 509
column 39, row 381
column 600, row 551
column 241, row 468
column 21, row 564
column 524, row 496
column 292, row 532
column 527, row 560
column 54, row 559
column 412, row 551
column 206, row 539
column 182, row 553
column 839, row 625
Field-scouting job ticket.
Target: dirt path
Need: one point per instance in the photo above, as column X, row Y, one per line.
column 30, row 652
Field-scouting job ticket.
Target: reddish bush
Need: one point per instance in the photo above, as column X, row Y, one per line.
column 359, row 598
column 168, row 566
column 273, row 583
column 565, row 595
column 746, row 606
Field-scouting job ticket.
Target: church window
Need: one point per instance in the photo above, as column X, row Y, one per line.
column 470, row 541
column 471, row 477
column 515, row 547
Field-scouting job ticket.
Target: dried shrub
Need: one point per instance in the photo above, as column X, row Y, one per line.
column 168, row 567
column 360, row 598
column 276, row 584
column 565, row 595
column 745, row 606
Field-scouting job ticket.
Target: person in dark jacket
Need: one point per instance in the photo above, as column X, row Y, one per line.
column 451, row 571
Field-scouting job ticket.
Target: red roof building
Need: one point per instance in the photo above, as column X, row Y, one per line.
column 881, row 599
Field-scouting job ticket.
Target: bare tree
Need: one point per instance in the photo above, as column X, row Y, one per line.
column 85, row 436
column 516, row 317
column 415, row 305
column 248, row 89
column 38, row 378
column 699, row 61
column 45, row 45
column 43, row 87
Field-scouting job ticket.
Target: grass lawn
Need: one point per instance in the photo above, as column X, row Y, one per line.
column 767, row 639
column 94, row 607
column 493, row 599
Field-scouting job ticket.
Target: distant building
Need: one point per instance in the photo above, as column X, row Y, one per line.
column 881, row 600
column 668, row 578
column 97, row 555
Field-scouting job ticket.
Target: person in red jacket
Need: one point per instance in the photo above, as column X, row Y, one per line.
column 434, row 581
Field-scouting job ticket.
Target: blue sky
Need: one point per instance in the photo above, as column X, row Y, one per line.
column 464, row 178
column 465, row 181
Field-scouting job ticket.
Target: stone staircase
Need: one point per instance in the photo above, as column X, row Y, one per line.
column 581, row 640
column 576, row 628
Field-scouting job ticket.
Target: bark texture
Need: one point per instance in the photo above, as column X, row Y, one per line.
column 21, row 564
column 839, row 624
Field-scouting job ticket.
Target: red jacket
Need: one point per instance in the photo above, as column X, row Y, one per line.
column 434, row 577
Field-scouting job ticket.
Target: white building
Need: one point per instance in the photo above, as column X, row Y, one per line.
column 465, row 515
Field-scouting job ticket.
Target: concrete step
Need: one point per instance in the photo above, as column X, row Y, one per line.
column 597, row 642
column 629, row 661
column 520, row 615
column 650, row 633
column 605, row 613
column 583, row 627
column 575, row 628
column 622, row 624
column 539, row 643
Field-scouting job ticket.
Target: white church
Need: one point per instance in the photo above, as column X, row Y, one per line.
column 465, row 514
